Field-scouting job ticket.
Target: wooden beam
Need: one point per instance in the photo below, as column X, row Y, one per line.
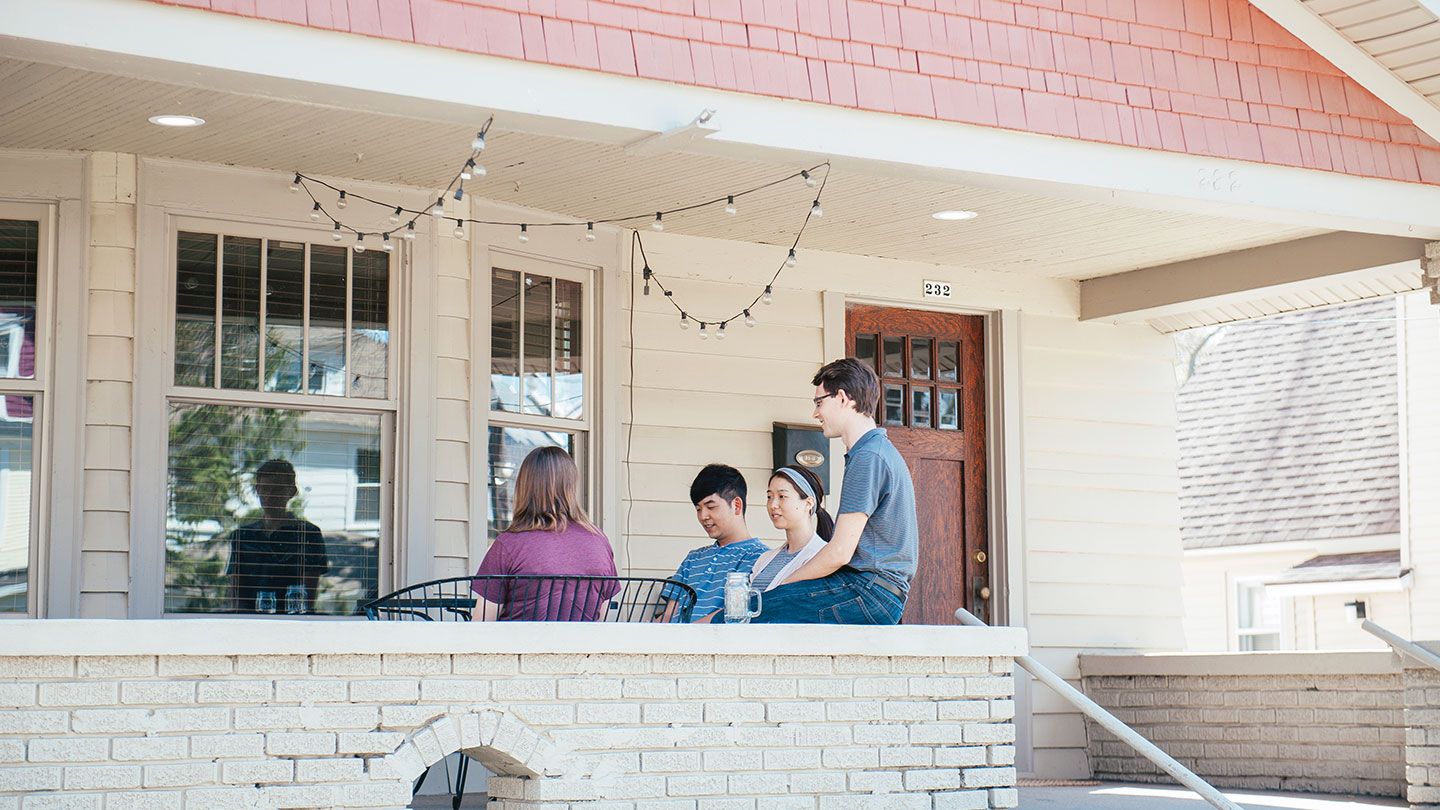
column 1294, row 16
column 1243, row 274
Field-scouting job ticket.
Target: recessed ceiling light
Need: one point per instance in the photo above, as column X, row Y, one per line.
column 176, row 120
column 953, row 216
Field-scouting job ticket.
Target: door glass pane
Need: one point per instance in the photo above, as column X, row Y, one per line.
column 195, row 260
column 504, row 340
column 894, row 404
column 19, row 273
column 948, row 408
column 16, row 423
column 284, row 316
column 865, row 349
column 370, row 325
column 240, row 315
column 920, row 358
column 920, row 407
column 894, row 357
column 537, row 308
column 948, row 368
column 569, row 376
column 301, row 549
column 508, row 448
column 326, row 374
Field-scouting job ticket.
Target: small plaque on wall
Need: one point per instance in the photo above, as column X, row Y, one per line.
column 937, row 289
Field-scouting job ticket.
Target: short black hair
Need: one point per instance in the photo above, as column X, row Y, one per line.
column 718, row 479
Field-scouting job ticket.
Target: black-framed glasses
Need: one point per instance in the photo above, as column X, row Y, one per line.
column 818, row 400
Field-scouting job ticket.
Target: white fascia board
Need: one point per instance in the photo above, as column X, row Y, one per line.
column 218, row 51
column 1340, row 51
column 1359, row 587
column 1341, row 545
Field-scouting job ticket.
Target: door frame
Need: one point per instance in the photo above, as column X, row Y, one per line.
column 1004, row 458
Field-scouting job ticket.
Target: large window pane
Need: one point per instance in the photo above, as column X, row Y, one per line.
column 19, row 272
column 228, row 553
column 508, row 448
column 16, row 421
column 240, row 314
column 327, row 321
column 504, row 340
column 537, row 308
column 195, row 264
column 285, row 317
column 569, row 372
column 370, row 325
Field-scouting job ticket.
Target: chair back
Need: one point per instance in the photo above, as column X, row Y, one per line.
column 526, row 597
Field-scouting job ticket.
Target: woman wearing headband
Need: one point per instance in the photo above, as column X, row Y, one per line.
column 795, row 501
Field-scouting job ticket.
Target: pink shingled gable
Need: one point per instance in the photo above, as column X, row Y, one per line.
column 1210, row 77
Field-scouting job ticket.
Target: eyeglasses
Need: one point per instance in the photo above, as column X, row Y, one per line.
column 818, row 400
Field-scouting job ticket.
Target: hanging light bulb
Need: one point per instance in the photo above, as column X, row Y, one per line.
column 459, row 229
column 790, row 260
column 343, row 202
column 295, row 184
column 657, row 225
column 410, row 231
column 387, row 244
column 439, row 208
column 704, row 335
column 315, row 213
column 684, row 321
column 730, row 205
column 749, row 319
column 816, row 210
column 589, row 232
column 809, row 181
column 720, row 335
column 359, row 243
column 459, row 192
column 465, row 173
column 336, row 235
column 524, row 233
column 768, row 297
column 395, row 217
column 478, row 144
column 478, row 170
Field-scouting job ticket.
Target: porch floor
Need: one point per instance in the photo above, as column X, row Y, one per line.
column 1119, row 796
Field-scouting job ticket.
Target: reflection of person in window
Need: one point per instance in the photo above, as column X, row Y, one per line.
column 549, row 537
column 276, row 561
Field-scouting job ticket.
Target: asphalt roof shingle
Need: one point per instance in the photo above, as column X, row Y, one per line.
column 1289, row 430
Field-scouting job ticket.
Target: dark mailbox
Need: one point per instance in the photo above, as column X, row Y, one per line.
column 804, row 445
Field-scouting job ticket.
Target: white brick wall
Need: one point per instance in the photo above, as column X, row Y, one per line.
column 1422, row 737
column 1323, row 733
column 617, row 731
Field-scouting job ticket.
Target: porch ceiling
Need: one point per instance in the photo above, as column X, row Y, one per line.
column 44, row 106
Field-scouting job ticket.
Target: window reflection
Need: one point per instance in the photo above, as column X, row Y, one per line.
column 370, row 326
column 326, row 371
column 285, row 317
column 240, row 314
column 538, row 298
column 195, row 264
column 504, row 340
column 16, row 423
column 508, row 447
column 19, row 274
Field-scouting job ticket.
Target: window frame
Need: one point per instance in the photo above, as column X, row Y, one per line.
column 1240, row 634
column 388, row 408
column 37, row 387
column 587, row 427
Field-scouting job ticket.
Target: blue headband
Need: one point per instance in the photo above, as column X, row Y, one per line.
column 800, row 482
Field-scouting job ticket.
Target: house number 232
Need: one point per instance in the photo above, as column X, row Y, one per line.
column 937, row 289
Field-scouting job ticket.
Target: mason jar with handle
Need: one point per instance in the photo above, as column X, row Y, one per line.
column 739, row 597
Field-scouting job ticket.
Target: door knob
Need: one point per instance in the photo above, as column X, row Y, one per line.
column 984, row 593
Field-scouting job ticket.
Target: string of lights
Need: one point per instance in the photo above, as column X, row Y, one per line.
column 402, row 221
column 765, row 297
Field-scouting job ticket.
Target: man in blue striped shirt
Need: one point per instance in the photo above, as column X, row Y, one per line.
column 718, row 493
column 863, row 574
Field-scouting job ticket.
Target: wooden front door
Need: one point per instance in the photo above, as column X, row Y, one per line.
column 932, row 403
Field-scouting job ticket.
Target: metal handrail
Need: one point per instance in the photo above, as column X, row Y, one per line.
column 1402, row 646
column 1113, row 724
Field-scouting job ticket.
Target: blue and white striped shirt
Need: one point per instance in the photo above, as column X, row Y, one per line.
column 705, row 568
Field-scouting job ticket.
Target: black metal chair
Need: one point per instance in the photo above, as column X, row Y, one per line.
column 524, row 597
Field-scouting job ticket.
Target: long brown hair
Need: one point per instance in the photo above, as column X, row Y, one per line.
column 545, row 498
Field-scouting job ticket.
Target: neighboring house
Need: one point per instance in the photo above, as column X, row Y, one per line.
column 1025, row 198
column 1291, row 481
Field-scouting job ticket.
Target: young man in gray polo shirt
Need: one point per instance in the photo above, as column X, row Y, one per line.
column 863, row 574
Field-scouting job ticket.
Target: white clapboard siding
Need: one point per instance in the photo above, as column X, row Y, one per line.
column 1421, row 390
column 1210, row 591
column 1101, row 508
column 452, row 445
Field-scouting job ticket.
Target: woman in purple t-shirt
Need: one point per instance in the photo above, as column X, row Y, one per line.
column 550, row 537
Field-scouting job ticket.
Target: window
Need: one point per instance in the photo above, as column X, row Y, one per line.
column 538, row 380
column 1257, row 617
column 22, row 260
column 280, row 426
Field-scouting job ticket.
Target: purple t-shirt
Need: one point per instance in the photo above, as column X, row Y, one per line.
column 577, row 551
